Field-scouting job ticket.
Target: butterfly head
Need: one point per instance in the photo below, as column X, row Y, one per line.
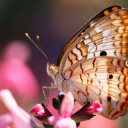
column 51, row 68
column 58, row 79
column 52, row 71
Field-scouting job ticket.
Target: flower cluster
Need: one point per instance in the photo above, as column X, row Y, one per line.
column 64, row 105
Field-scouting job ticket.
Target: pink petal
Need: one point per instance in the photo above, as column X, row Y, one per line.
column 24, row 113
column 5, row 121
column 20, row 117
column 7, row 98
column 53, row 119
column 17, row 77
column 67, row 105
column 94, row 107
column 65, row 123
column 38, row 110
column 61, row 122
column 17, row 50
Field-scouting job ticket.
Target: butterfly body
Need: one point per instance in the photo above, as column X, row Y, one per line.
column 92, row 65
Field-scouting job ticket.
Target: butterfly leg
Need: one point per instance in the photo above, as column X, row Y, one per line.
column 45, row 87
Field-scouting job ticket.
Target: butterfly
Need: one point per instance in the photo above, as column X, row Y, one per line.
column 93, row 64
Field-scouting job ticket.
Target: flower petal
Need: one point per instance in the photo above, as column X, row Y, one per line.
column 61, row 122
column 67, row 105
column 20, row 119
column 65, row 123
column 53, row 119
column 5, row 121
column 19, row 79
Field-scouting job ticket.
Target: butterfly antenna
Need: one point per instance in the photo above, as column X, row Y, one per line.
column 44, row 52
column 38, row 38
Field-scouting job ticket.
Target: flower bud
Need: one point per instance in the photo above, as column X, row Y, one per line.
column 41, row 112
column 80, row 116
column 94, row 107
column 38, row 110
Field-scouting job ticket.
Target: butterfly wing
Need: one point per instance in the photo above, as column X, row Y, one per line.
column 94, row 62
column 84, row 30
column 100, row 79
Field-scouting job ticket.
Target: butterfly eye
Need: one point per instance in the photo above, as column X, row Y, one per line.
column 110, row 76
column 109, row 98
column 103, row 53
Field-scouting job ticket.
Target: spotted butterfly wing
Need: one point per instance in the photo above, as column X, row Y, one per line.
column 92, row 65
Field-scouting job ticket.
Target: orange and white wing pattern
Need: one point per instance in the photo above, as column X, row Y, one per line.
column 102, row 79
column 94, row 62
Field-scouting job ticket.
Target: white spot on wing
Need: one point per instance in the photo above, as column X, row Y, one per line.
column 90, row 55
column 98, row 29
column 105, row 46
column 101, row 75
column 109, row 32
column 87, row 36
column 92, row 47
column 92, row 23
column 78, row 53
column 87, row 41
column 108, row 39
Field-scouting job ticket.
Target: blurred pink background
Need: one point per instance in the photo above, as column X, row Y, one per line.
column 22, row 66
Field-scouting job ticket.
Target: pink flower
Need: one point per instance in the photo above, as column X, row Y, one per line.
column 18, row 50
column 17, row 117
column 15, row 74
column 64, row 120
column 64, row 105
column 97, row 121
column 94, row 107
